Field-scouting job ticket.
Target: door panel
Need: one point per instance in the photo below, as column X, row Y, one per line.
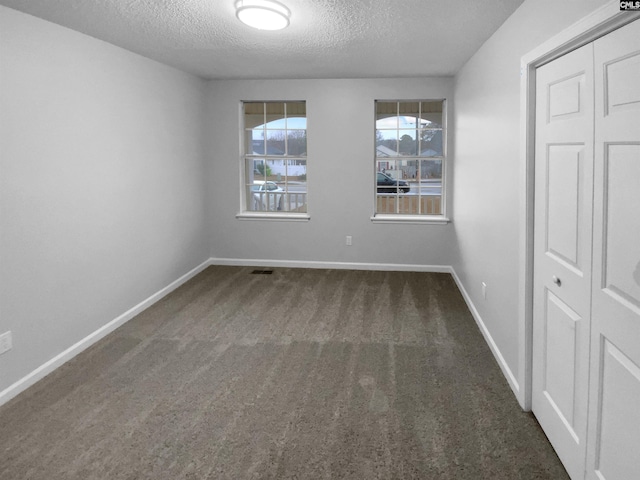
column 562, row 244
column 561, row 328
column 622, row 221
column 619, row 93
column 618, row 416
column 614, row 413
column 564, row 178
column 564, row 97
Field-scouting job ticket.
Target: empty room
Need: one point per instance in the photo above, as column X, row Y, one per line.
column 319, row 239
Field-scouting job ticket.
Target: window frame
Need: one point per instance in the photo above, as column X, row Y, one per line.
column 245, row 213
column 404, row 218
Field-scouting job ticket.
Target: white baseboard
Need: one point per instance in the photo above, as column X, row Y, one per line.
column 506, row 371
column 60, row 359
column 397, row 267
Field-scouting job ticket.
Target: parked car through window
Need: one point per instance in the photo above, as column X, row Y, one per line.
column 267, row 196
column 386, row 184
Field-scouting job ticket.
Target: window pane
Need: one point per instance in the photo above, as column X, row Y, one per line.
column 409, row 170
column 431, row 114
column 275, row 142
column 409, row 108
column 431, row 120
column 386, row 143
column 254, row 142
column 385, row 165
column 407, row 144
column 255, row 173
column 255, row 170
column 279, row 124
column 296, row 123
column 297, row 142
column 296, row 115
column 405, row 121
column 431, row 187
column 253, row 114
column 408, row 115
column 431, row 143
column 293, row 180
column 431, row 169
column 390, row 178
column 274, row 111
column 274, row 167
column 385, row 110
column 260, row 199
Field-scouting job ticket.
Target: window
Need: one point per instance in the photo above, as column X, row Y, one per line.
column 275, row 157
column 410, row 157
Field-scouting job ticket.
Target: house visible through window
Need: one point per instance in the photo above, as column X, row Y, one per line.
column 410, row 157
column 275, row 157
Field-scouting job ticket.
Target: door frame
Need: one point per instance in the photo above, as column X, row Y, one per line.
column 600, row 22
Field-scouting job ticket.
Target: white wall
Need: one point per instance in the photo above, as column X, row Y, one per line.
column 101, row 189
column 487, row 172
column 341, row 150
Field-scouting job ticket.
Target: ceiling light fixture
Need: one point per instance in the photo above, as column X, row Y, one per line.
column 263, row 14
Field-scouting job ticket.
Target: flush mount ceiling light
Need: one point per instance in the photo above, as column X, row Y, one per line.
column 263, row 14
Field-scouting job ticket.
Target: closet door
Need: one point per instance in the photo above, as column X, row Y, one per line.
column 562, row 258
column 614, row 412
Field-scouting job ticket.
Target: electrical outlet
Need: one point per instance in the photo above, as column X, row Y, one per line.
column 484, row 290
column 5, row 342
column 349, row 240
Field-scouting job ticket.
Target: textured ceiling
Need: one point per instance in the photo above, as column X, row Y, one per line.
column 326, row 38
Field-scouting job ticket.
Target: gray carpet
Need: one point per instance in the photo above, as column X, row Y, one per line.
column 302, row 374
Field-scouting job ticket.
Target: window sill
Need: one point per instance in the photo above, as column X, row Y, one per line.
column 280, row 217
column 411, row 219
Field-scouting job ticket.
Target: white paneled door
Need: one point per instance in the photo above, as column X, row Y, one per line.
column 586, row 328
column 614, row 416
column 562, row 264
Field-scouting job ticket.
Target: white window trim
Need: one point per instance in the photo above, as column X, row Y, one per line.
column 410, row 219
column 282, row 217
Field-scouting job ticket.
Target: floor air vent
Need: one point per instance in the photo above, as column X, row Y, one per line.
column 262, row 271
